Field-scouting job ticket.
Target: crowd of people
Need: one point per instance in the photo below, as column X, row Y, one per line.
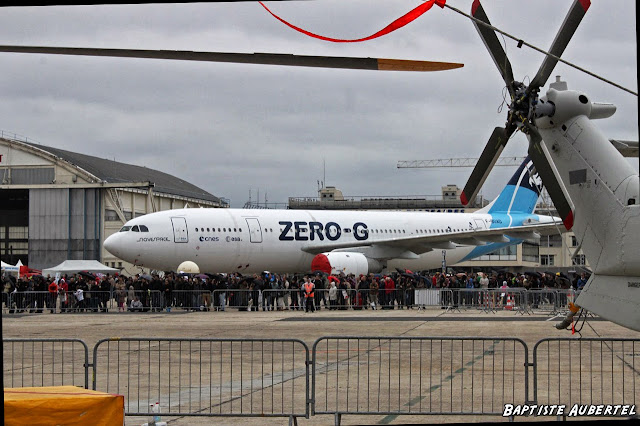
column 266, row 291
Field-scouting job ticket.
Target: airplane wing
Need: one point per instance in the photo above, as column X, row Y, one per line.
column 412, row 246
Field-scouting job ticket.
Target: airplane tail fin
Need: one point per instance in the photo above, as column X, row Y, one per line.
column 521, row 192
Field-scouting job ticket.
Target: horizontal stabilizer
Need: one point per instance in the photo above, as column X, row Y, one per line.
column 626, row 148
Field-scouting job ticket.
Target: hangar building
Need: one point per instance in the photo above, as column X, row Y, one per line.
column 57, row 205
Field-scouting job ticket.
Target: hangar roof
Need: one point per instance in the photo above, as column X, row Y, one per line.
column 115, row 172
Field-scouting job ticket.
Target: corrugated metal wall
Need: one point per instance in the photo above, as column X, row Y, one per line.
column 63, row 224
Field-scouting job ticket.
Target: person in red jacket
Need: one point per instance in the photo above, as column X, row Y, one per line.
column 53, row 296
column 389, row 290
column 63, row 289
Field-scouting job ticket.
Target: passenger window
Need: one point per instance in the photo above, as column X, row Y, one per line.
column 135, row 229
column 144, row 228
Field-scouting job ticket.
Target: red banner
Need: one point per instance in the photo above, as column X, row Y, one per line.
column 398, row 23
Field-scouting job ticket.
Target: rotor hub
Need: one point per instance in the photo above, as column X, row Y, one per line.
column 526, row 106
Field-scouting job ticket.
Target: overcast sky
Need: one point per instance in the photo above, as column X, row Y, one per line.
column 234, row 128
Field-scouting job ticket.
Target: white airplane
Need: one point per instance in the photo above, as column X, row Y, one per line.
column 594, row 188
column 359, row 242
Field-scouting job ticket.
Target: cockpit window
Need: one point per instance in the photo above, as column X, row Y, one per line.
column 135, row 229
column 144, row 228
column 125, row 228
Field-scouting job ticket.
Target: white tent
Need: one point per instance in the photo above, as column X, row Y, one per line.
column 75, row 266
column 9, row 267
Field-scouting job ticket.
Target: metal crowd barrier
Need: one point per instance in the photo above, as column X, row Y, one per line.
column 413, row 375
column 516, row 299
column 428, row 297
column 564, row 298
column 389, row 376
column 29, row 302
column 45, row 362
column 543, row 300
column 586, row 371
column 206, row 377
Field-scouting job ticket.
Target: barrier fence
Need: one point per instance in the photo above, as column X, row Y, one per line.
column 346, row 375
column 206, row 377
column 411, row 375
column 516, row 299
column 587, row 371
column 45, row 362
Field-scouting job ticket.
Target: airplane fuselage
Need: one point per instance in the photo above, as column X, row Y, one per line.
column 241, row 240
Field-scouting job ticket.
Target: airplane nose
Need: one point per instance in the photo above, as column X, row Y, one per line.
column 111, row 244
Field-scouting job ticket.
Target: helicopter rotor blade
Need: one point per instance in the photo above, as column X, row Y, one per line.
column 565, row 33
column 490, row 154
column 493, row 45
column 245, row 58
column 550, row 178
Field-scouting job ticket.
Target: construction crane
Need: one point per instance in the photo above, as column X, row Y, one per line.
column 545, row 201
column 456, row 162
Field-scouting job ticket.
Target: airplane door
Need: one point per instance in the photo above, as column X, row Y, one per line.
column 255, row 232
column 180, row 233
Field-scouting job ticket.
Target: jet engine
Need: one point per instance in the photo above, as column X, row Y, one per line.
column 346, row 262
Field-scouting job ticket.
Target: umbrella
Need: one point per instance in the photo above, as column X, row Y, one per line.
column 332, row 278
column 202, row 276
column 34, row 275
column 86, row 274
column 248, row 279
column 146, row 277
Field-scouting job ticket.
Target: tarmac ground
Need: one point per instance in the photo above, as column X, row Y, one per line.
column 308, row 327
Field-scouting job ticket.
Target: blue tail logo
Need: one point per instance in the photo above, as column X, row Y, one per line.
column 521, row 193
